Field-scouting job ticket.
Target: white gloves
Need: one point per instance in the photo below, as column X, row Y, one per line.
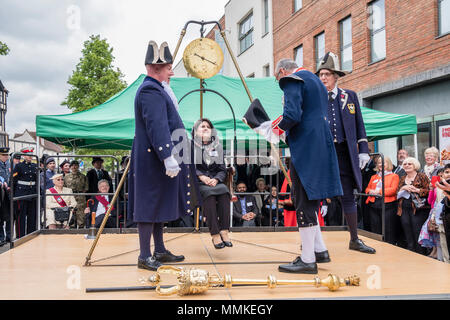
column 172, row 167
column 265, row 129
column 324, row 210
column 363, row 159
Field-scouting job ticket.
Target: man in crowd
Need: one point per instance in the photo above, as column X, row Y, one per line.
column 96, row 174
column 402, row 154
column 65, row 167
column 158, row 185
column 350, row 141
column 245, row 210
column 46, row 176
column 24, row 184
column 5, row 215
column 78, row 182
column 314, row 168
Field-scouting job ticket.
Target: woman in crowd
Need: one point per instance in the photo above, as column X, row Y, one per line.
column 413, row 210
column 58, row 202
column 391, row 180
column 431, row 162
column 211, row 173
column 272, row 206
column 429, row 238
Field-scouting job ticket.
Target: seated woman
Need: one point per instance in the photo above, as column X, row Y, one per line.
column 53, row 202
column 211, row 173
column 412, row 189
column 100, row 204
column 391, row 180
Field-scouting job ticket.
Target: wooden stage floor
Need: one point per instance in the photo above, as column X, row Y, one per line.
column 50, row 266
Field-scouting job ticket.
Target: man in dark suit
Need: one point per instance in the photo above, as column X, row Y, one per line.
column 402, row 154
column 96, row 174
column 100, row 205
column 245, row 210
column 350, row 141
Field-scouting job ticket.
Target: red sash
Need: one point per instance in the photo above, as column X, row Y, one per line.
column 103, row 201
column 58, row 199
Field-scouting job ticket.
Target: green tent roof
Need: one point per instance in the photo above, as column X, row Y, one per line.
column 111, row 124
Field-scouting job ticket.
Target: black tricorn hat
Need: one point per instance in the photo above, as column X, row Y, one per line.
column 331, row 62
column 158, row 56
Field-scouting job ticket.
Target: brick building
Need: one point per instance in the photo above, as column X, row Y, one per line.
column 398, row 53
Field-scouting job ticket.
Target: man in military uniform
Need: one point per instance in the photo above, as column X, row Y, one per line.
column 350, row 141
column 24, row 183
column 78, row 182
column 158, row 184
column 5, row 220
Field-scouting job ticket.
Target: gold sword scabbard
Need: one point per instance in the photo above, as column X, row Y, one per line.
column 197, row 281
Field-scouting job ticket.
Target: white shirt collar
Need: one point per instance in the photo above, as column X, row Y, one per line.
column 335, row 92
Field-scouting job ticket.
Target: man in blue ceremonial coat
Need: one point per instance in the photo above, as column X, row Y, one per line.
column 158, row 184
column 314, row 166
column 350, row 141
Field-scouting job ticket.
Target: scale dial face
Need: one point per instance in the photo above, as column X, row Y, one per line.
column 203, row 58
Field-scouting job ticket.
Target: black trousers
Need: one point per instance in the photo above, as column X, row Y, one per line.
column 392, row 220
column 306, row 210
column 347, row 179
column 26, row 217
column 411, row 224
column 216, row 209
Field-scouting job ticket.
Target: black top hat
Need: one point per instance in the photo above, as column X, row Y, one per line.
column 95, row 159
column 158, row 56
column 331, row 62
column 4, row 151
column 124, row 158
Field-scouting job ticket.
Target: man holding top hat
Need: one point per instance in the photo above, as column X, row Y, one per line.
column 158, row 184
column 24, row 182
column 313, row 169
column 350, row 141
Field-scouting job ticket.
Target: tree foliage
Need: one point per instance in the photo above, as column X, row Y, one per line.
column 4, row 50
column 94, row 79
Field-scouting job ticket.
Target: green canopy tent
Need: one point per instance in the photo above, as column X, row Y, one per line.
column 111, row 124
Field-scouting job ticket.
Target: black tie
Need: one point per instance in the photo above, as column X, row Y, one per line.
column 330, row 96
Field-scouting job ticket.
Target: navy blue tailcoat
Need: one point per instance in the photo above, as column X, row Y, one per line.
column 308, row 135
column 154, row 196
column 355, row 132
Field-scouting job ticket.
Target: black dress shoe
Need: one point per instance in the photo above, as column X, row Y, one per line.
column 167, row 257
column 150, row 264
column 220, row 245
column 226, row 243
column 359, row 245
column 322, row 257
column 298, row 266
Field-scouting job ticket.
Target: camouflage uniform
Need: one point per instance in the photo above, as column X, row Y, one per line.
column 79, row 184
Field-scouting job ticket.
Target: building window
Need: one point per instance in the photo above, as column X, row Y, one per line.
column 246, row 33
column 298, row 55
column 319, row 42
column 297, row 5
column 377, row 31
column 266, row 70
column 346, row 44
column 266, row 17
column 444, row 16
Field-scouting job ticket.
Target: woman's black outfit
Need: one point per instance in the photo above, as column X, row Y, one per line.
column 209, row 161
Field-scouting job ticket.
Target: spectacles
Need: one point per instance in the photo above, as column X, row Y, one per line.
column 277, row 77
column 407, row 164
column 59, row 179
column 325, row 74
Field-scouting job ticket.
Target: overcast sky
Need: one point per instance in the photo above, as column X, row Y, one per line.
column 46, row 37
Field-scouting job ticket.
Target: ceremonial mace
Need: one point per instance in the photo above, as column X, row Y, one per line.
column 196, row 281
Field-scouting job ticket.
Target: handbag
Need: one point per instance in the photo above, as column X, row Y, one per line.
column 418, row 201
column 62, row 214
column 431, row 225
